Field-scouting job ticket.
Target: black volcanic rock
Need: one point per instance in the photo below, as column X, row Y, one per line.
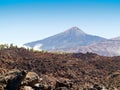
column 57, row 71
column 70, row 38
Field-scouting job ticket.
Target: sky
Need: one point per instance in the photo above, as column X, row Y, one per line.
column 23, row 21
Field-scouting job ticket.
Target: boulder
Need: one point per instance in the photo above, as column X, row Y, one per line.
column 97, row 87
column 26, row 88
column 12, row 79
column 31, row 79
column 63, row 85
column 1, row 87
column 113, row 80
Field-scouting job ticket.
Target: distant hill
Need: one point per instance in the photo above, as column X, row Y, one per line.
column 116, row 38
column 106, row 48
column 70, row 38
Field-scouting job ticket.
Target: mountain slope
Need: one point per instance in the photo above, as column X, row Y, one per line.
column 70, row 38
column 106, row 48
column 116, row 38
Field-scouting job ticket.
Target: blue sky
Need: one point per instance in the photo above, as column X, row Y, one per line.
column 23, row 21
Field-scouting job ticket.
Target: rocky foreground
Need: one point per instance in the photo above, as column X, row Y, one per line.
column 23, row 80
column 22, row 69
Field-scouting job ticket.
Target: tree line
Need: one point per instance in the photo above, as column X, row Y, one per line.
column 3, row 46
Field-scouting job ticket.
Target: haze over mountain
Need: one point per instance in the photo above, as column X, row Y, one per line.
column 106, row 48
column 73, row 37
column 116, row 38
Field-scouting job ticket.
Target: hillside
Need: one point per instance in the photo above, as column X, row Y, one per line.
column 116, row 38
column 76, row 68
column 105, row 48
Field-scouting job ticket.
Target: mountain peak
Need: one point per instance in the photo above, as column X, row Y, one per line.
column 75, row 30
column 73, row 37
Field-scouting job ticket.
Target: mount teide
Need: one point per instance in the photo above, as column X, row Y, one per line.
column 71, row 38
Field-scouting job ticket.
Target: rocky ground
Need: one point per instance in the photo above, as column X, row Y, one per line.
column 22, row 69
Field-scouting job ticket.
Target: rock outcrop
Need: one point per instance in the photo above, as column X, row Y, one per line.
column 11, row 80
column 113, row 80
column 31, row 79
column 63, row 85
column 23, row 80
